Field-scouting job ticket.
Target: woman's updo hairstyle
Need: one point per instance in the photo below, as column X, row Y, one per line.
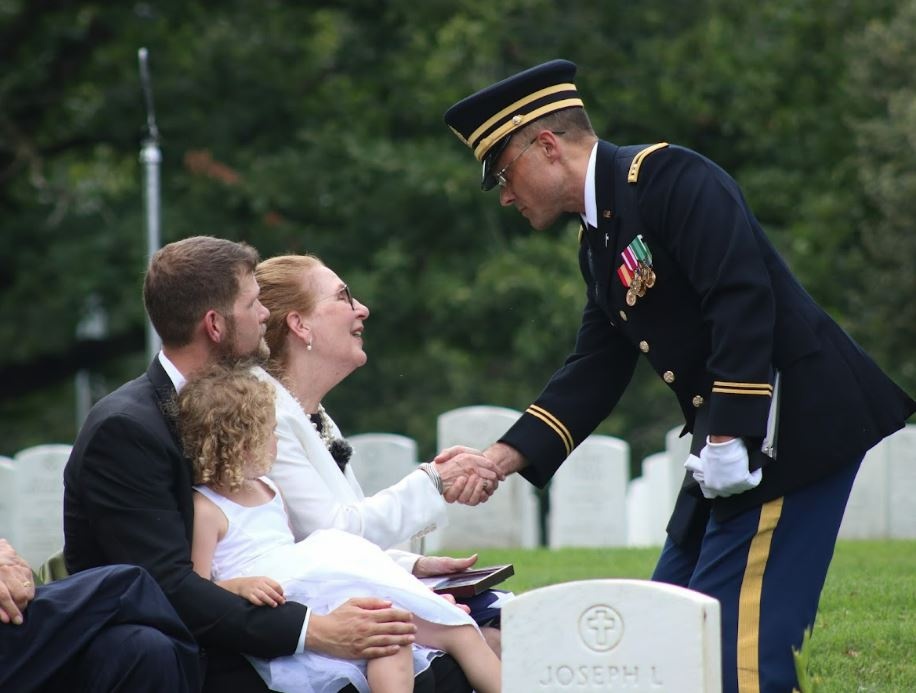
column 285, row 288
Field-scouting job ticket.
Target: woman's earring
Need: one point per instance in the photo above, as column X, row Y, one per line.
column 308, row 347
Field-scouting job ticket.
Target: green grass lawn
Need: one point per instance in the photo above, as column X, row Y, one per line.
column 865, row 635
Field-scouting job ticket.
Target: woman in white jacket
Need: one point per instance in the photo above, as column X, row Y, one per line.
column 315, row 337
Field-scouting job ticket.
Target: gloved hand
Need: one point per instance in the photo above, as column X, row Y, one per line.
column 695, row 466
column 725, row 468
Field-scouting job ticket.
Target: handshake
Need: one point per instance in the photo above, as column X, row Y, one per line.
column 722, row 469
column 469, row 476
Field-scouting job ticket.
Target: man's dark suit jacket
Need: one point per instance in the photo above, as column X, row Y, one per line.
column 128, row 499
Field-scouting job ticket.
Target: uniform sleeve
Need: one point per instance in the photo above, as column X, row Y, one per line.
column 127, row 485
column 579, row 396
column 699, row 214
column 391, row 516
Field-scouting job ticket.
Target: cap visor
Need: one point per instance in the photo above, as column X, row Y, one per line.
column 488, row 180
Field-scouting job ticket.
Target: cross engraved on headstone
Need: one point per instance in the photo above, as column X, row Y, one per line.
column 600, row 628
column 601, row 622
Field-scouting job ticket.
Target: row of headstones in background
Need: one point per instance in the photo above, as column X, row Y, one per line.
column 880, row 505
column 591, row 502
column 587, row 495
column 32, row 501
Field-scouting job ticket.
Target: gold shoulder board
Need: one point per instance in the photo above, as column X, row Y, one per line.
column 633, row 175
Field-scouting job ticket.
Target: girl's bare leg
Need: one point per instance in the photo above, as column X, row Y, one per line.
column 494, row 638
column 392, row 674
column 478, row 662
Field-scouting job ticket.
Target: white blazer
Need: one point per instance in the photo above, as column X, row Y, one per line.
column 318, row 496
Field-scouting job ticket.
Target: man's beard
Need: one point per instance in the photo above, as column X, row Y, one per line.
column 227, row 351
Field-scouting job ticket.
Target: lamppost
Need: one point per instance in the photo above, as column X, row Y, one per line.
column 151, row 158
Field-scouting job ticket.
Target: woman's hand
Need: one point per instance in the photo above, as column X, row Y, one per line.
column 260, row 591
column 442, row 565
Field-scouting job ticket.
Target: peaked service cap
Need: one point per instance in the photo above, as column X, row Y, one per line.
column 485, row 120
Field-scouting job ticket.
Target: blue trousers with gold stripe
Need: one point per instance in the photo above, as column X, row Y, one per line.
column 767, row 568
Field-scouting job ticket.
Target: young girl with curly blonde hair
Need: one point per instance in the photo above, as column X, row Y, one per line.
column 242, row 541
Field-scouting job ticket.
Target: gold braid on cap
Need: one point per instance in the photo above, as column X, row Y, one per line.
column 510, row 119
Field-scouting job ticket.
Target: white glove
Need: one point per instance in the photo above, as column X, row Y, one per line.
column 725, row 469
column 695, row 465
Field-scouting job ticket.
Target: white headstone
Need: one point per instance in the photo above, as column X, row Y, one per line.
column 678, row 449
column 381, row 460
column 901, row 469
column 510, row 517
column 639, row 514
column 658, row 470
column 588, row 495
column 7, row 489
column 611, row 635
column 38, row 501
column 867, row 514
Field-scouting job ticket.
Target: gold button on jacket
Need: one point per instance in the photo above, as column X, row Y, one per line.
column 644, row 346
column 698, row 401
column 668, row 377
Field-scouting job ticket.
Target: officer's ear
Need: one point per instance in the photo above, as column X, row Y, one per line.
column 550, row 143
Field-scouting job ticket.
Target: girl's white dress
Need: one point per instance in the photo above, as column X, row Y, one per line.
column 322, row 571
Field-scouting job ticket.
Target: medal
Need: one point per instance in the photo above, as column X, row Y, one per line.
column 636, row 272
column 641, row 251
column 636, row 284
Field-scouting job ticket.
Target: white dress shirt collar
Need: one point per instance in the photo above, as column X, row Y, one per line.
column 178, row 380
column 591, row 205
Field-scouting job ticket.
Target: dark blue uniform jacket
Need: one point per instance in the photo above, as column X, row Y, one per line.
column 723, row 316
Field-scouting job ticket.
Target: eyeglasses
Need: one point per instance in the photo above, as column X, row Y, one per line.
column 500, row 175
column 343, row 294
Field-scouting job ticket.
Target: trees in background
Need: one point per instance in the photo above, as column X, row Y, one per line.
column 317, row 127
column 883, row 122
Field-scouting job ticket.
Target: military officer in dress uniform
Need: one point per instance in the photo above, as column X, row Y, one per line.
column 781, row 402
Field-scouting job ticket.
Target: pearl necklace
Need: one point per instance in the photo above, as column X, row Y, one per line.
column 321, row 422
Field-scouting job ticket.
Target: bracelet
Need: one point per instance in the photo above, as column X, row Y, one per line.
column 433, row 475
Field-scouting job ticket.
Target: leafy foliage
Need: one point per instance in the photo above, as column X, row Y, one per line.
column 884, row 129
column 318, row 127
